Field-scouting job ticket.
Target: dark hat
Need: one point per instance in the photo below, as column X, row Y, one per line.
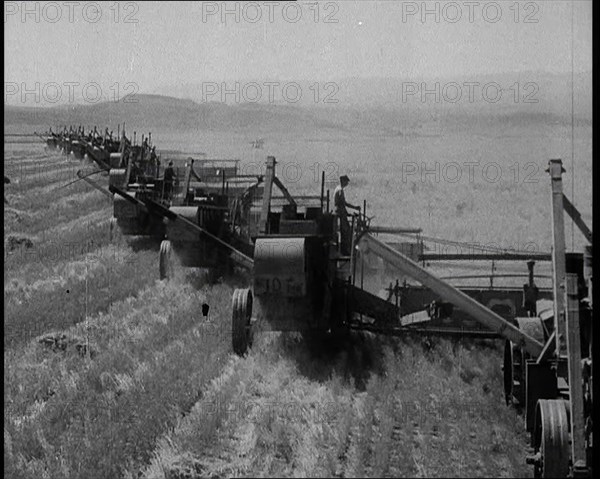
column 344, row 178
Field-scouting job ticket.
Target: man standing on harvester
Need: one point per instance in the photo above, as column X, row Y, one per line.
column 169, row 178
column 340, row 205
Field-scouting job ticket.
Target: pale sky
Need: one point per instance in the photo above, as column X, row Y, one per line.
column 171, row 44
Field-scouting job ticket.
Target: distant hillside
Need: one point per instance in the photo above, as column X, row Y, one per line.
column 161, row 113
column 379, row 106
column 530, row 92
column 155, row 111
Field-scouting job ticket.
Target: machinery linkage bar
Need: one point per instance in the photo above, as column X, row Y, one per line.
column 94, row 184
column 394, row 230
column 163, row 211
column 131, row 199
column 485, row 257
column 576, row 217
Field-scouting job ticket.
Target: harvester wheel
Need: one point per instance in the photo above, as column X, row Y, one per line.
column 241, row 326
column 551, row 439
column 165, row 262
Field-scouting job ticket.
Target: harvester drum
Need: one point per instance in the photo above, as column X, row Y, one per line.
column 290, row 288
column 290, row 282
column 191, row 249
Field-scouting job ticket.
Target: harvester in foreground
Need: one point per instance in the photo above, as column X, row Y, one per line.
column 301, row 282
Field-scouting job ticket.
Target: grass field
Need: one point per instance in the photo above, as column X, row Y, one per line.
column 143, row 385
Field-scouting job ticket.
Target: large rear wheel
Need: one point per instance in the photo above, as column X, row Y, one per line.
column 551, row 439
column 241, row 321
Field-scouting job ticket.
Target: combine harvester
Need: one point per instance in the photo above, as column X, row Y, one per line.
column 53, row 141
column 203, row 194
column 107, row 152
column 132, row 169
column 209, row 219
column 75, row 141
column 301, row 282
column 133, row 172
column 67, row 141
column 208, row 200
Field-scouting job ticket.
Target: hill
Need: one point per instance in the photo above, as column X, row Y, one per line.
column 163, row 113
column 149, row 112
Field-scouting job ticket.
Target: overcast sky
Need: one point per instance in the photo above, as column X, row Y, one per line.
column 184, row 42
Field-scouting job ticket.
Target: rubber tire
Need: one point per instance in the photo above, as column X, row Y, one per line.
column 241, row 321
column 551, row 438
column 165, row 265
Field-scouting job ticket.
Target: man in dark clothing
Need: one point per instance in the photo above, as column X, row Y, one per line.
column 169, row 178
column 153, row 160
column 340, row 205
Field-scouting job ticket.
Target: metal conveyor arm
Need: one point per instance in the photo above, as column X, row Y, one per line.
column 451, row 294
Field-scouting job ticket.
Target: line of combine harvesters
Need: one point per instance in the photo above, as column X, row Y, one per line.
column 218, row 218
column 106, row 150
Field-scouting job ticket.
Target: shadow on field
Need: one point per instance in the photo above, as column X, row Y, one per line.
column 144, row 243
column 354, row 356
column 200, row 278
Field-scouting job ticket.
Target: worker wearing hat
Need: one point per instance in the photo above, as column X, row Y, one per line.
column 340, row 204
